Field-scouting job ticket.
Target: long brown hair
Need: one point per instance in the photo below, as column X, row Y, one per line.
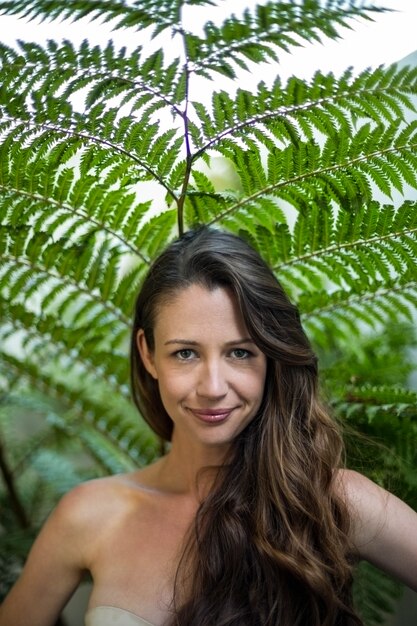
column 270, row 545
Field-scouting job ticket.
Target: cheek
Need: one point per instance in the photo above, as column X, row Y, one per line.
column 252, row 384
column 260, row 385
column 172, row 385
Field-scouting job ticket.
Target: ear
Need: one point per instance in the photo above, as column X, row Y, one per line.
column 145, row 354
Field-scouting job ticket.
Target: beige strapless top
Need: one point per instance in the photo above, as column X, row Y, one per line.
column 113, row 616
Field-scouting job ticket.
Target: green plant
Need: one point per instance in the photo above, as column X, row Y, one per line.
column 106, row 154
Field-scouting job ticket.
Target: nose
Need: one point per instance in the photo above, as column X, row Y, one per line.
column 212, row 382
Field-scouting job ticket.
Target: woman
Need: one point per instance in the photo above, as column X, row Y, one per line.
column 247, row 520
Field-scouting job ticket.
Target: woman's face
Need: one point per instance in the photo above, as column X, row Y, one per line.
column 211, row 375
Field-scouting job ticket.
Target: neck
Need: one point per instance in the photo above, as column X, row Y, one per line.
column 190, row 468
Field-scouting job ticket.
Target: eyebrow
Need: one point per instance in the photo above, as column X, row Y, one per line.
column 190, row 342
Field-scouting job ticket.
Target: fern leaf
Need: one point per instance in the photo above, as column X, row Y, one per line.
column 258, row 34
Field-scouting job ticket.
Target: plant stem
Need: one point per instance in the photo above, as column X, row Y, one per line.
column 189, row 157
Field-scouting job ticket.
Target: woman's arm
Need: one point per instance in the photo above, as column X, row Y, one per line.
column 54, row 567
column 384, row 528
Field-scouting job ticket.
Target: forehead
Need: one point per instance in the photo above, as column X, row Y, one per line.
column 197, row 309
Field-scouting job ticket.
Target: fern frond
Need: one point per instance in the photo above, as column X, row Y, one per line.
column 64, row 143
column 374, row 303
column 141, row 14
column 374, row 401
column 307, row 172
column 325, row 105
column 80, row 203
column 360, row 235
column 45, row 118
column 162, row 229
column 61, row 266
column 112, row 421
column 259, row 33
column 49, row 339
column 104, row 74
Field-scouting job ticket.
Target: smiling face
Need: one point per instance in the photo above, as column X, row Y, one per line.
column 210, row 374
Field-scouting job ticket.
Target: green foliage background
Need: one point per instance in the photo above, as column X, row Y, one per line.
column 107, row 154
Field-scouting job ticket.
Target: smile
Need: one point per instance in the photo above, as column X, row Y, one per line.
column 212, row 416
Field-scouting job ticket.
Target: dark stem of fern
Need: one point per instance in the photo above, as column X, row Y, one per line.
column 181, row 199
column 189, row 157
column 14, row 499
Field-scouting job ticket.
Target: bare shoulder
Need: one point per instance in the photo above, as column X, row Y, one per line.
column 98, row 500
column 383, row 527
column 90, row 497
column 84, row 512
column 85, row 502
column 366, row 502
column 358, row 490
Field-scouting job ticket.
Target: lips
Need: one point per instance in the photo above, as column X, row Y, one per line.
column 212, row 416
